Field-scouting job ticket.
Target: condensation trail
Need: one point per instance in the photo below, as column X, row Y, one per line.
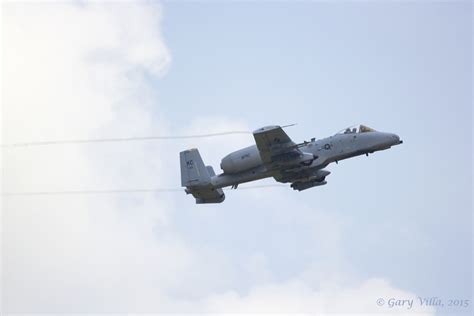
column 82, row 192
column 127, row 139
column 119, row 139
column 131, row 191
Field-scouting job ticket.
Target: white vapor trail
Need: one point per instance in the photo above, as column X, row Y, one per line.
column 118, row 139
column 95, row 192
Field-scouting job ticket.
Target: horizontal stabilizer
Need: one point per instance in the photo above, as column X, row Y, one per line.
column 206, row 195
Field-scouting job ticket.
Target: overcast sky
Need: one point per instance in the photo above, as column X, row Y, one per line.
column 397, row 224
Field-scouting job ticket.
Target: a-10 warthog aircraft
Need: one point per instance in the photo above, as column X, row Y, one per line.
column 276, row 155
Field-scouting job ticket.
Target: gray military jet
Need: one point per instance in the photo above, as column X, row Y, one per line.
column 276, row 155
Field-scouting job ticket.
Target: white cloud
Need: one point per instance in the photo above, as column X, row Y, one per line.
column 76, row 71
column 73, row 71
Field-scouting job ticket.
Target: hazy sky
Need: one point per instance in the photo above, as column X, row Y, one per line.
column 397, row 224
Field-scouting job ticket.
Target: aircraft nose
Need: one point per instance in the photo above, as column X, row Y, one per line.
column 395, row 139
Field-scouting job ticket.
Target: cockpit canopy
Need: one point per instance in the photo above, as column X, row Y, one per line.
column 356, row 129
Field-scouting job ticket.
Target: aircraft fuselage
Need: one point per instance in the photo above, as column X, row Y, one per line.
column 276, row 155
column 324, row 151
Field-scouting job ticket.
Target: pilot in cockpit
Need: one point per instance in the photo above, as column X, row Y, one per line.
column 356, row 129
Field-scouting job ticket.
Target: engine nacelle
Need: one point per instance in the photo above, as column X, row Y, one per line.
column 241, row 160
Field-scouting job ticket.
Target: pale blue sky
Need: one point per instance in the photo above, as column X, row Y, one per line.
column 398, row 67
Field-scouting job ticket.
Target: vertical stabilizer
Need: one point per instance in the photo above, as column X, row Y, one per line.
column 193, row 171
column 196, row 177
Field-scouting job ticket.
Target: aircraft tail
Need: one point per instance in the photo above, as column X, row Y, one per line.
column 196, row 177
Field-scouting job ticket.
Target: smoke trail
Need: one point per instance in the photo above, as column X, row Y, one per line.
column 131, row 191
column 118, row 139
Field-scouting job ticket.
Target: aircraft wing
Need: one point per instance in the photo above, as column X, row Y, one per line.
column 274, row 144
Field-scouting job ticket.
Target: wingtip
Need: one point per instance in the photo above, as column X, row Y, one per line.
column 266, row 128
